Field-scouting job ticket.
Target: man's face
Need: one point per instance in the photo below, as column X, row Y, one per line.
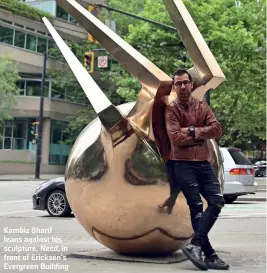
column 182, row 86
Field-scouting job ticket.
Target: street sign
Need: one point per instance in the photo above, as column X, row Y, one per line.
column 102, row 61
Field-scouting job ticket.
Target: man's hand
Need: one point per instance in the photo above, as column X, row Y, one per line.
column 184, row 130
column 164, row 89
column 169, row 203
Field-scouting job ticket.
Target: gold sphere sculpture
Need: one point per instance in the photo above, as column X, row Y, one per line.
column 115, row 195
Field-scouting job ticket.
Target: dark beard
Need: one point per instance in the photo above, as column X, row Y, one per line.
column 184, row 96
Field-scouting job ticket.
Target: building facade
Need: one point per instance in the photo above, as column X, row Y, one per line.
column 25, row 40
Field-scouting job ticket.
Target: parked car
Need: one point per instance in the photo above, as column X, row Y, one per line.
column 260, row 168
column 51, row 196
column 238, row 174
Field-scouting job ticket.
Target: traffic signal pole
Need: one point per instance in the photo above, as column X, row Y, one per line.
column 137, row 17
column 40, row 127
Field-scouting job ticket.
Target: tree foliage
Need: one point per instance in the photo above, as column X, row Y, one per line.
column 9, row 90
column 235, row 32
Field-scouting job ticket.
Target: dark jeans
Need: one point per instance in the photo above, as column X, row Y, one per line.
column 175, row 187
column 195, row 178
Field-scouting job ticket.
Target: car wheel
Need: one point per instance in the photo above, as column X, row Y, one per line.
column 230, row 200
column 57, row 204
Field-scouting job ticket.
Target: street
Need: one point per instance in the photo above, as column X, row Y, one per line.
column 239, row 236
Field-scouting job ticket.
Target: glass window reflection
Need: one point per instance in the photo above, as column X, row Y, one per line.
column 61, row 13
column 19, row 38
column 31, row 42
column 42, row 43
column 6, row 35
column 21, row 86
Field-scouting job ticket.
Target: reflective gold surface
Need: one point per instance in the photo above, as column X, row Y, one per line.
column 115, row 175
column 116, row 199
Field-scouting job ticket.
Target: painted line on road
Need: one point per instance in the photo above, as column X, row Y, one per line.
column 15, row 201
column 11, row 212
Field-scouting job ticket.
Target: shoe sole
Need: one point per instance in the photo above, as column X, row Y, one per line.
column 196, row 263
column 218, row 268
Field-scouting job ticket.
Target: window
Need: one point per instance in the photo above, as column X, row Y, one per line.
column 33, row 88
column 21, row 86
column 14, row 134
column 61, row 13
column 29, row 28
column 56, row 131
column 238, row 157
column 73, row 20
column 6, row 35
column 25, row 40
column 19, row 134
column 6, row 21
column 17, row 25
column 51, row 44
column 19, row 39
column 59, row 152
column 44, row 5
column 42, row 44
column 7, row 135
column 31, row 42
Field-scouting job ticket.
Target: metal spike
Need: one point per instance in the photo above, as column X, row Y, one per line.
column 93, row 92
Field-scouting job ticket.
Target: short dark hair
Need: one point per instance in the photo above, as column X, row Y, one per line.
column 181, row 72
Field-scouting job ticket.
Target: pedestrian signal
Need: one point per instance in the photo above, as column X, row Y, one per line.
column 89, row 61
column 34, row 128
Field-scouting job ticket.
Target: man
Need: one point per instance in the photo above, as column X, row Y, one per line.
column 189, row 122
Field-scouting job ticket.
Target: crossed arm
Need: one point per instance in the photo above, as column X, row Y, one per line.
column 179, row 136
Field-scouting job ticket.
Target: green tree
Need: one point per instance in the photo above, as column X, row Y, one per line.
column 235, row 32
column 122, row 21
column 9, row 90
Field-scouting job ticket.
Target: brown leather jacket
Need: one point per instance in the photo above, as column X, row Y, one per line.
column 178, row 118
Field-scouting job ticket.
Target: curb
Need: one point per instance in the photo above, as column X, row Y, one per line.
column 25, row 179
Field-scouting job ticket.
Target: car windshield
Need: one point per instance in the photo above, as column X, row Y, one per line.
column 238, row 157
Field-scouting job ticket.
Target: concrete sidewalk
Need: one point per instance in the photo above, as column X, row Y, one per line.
column 28, row 177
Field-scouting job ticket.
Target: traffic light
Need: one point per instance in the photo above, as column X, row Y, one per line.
column 89, row 61
column 95, row 11
column 34, row 128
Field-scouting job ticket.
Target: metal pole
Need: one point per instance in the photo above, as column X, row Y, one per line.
column 137, row 17
column 40, row 127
